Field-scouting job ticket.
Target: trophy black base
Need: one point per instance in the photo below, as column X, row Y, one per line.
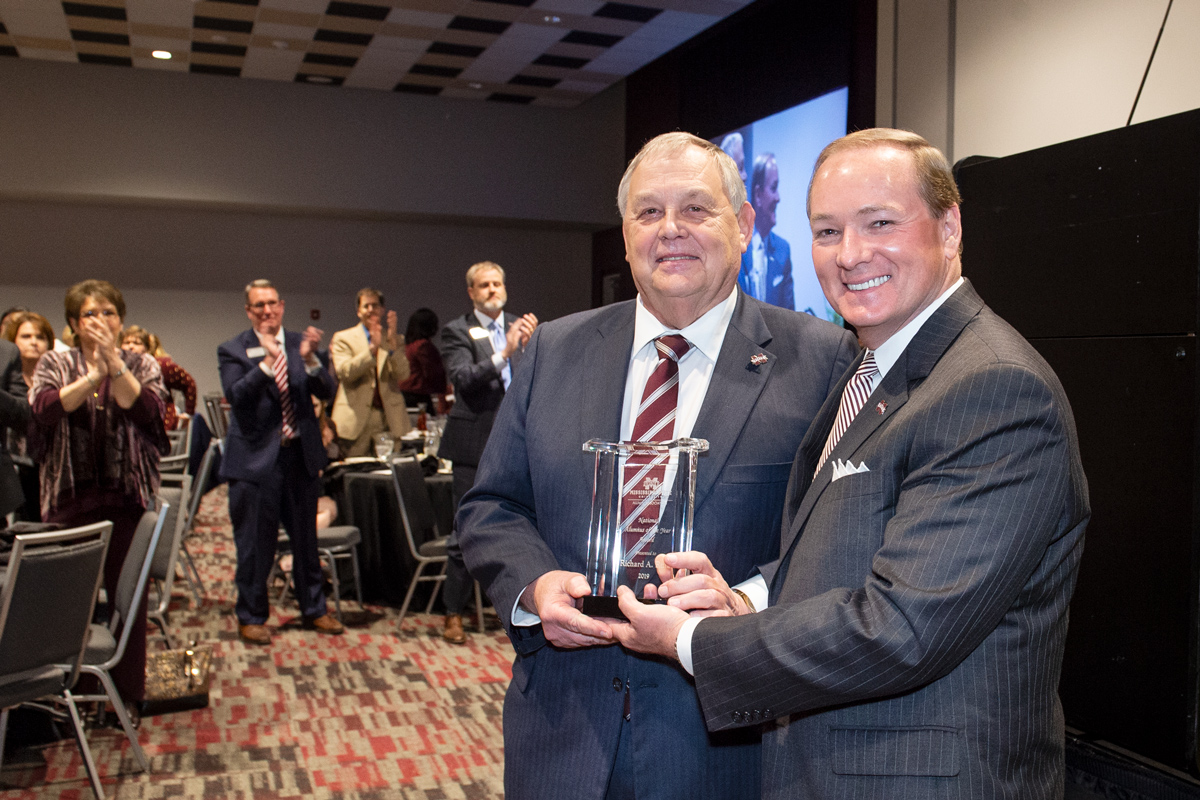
column 594, row 606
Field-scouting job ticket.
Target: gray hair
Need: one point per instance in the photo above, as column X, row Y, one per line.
column 261, row 283
column 669, row 144
column 479, row 267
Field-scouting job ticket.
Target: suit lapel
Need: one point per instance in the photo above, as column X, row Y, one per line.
column 913, row 365
column 607, row 358
column 734, row 389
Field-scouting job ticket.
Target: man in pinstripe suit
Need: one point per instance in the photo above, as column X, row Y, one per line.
column 908, row 642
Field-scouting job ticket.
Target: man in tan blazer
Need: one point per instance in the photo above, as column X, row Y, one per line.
column 370, row 363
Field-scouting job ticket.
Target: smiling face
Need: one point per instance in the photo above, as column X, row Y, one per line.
column 683, row 239
column 265, row 311
column 881, row 256
column 31, row 342
column 487, row 292
column 370, row 309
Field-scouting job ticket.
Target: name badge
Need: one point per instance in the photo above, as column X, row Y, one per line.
column 256, row 352
column 479, row 333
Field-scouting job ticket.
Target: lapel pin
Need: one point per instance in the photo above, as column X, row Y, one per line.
column 758, row 359
column 882, row 407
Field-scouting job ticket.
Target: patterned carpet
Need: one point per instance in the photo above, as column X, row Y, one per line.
column 372, row 714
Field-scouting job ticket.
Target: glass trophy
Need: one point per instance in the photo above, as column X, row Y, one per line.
column 643, row 499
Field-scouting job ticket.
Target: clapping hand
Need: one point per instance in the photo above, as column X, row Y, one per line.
column 309, row 341
column 394, row 341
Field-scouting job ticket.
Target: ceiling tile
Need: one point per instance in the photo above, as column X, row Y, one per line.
column 271, row 64
column 545, row 52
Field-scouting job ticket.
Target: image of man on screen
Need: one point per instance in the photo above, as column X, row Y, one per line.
column 766, row 272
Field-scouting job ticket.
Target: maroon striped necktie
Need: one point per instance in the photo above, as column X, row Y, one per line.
column 642, row 487
column 853, row 397
column 285, row 396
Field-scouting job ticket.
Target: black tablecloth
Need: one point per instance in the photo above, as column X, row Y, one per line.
column 368, row 502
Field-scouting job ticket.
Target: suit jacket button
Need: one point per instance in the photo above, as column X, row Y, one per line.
column 618, row 684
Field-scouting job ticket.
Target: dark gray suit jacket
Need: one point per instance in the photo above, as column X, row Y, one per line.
column 478, row 389
column 528, row 514
column 15, row 414
column 915, row 635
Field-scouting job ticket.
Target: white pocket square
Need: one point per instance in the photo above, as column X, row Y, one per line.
column 843, row 468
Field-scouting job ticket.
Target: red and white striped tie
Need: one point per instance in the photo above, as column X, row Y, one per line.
column 642, row 487
column 285, row 396
column 855, row 395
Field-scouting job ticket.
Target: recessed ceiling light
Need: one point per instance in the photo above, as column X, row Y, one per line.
column 475, row 85
column 552, row 19
column 280, row 43
column 218, row 37
column 319, row 79
column 165, row 55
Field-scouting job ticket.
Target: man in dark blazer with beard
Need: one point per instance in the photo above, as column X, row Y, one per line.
column 910, row 639
column 584, row 718
column 480, row 351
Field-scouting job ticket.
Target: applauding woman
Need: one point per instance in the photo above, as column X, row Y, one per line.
column 98, row 434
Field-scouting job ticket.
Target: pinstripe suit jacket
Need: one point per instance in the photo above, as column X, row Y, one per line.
column 528, row 514
column 914, row 641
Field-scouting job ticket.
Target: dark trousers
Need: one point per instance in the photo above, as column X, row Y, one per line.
column 456, row 591
column 288, row 494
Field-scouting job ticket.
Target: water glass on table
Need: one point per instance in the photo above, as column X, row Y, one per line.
column 383, row 445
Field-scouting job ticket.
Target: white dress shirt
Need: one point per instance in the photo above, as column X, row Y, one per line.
column 312, row 365
column 706, row 336
column 498, row 359
column 886, row 357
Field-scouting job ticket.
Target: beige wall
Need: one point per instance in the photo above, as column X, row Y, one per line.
column 996, row 77
column 181, row 188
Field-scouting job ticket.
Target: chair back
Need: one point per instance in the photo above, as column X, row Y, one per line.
column 174, row 494
column 416, row 509
column 217, row 411
column 135, row 574
column 181, row 450
column 202, row 481
column 48, row 597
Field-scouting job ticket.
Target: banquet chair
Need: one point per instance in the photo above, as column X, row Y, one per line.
column 175, row 495
column 107, row 644
column 217, row 411
column 202, row 481
column 181, row 450
column 333, row 543
column 46, row 604
column 417, row 514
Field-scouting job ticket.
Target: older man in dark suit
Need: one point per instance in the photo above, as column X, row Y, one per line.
column 480, row 351
column 273, row 457
column 584, row 718
column 911, row 641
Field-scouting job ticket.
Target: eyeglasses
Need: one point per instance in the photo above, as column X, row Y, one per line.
column 107, row 313
column 263, row 304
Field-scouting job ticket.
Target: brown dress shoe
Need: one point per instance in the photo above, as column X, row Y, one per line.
column 453, row 632
column 326, row 623
column 254, row 634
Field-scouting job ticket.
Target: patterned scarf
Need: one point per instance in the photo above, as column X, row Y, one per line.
column 99, row 443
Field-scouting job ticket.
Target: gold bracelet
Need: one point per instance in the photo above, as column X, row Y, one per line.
column 746, row 600
column 93, row 383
